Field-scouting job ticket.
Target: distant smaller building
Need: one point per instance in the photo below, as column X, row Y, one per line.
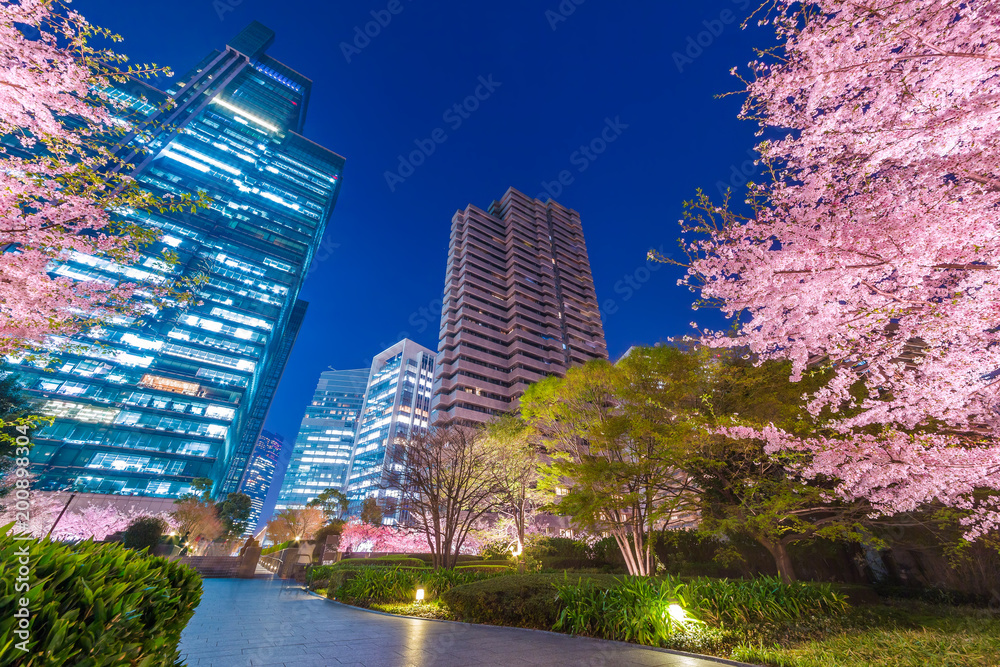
column 326, row 438
column 260, row 472
column 397, row 406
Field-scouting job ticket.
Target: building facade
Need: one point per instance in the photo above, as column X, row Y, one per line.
column 325, row 441
column 519, row 305
column 397, row 406
column 144, row 405
column 260, row 472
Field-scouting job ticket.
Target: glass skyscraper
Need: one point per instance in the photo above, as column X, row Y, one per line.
column 397, row 405
column 257, row 480
column 326, row 438
column 144, row 405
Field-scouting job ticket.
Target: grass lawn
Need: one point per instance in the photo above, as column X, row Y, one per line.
column 899, row 634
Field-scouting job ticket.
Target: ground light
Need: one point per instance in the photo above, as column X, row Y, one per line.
column 420, row 595
column 677, row 613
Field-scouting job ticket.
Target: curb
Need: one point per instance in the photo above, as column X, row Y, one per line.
column 712, row 658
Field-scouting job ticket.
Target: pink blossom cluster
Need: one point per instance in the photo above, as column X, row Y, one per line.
column 52, row 200
column 876, row 244
column 94, row 522
column 362, row 537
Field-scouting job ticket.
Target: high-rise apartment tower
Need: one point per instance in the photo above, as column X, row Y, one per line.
column 519, row 305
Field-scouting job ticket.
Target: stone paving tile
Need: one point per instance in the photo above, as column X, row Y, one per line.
column 267, row 623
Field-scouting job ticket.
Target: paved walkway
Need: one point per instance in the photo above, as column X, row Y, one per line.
column 268, row 622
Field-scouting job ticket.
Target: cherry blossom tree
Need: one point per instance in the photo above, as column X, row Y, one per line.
column 872, row 244
column 364, row 537
column 60, row 177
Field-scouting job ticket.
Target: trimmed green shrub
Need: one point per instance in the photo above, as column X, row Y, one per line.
column 519, row 600
column 144, row 533
column 385, row 561
column 486, row 567
column 367, row 585
column 94, row 604
column 277, row 547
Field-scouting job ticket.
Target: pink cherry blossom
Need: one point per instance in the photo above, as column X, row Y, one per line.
column 874, row 241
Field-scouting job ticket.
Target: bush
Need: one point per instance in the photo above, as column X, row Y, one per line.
column 632, row 608
column 519, row 600
column 144, row 533
column 96, row 604
column 385, row 561
column 367, row 585
column 486, row 567
column 277, row 547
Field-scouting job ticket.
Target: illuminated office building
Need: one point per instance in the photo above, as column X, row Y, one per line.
column 397, row 406
column 143, row 406
column 325, row 441
column 260, row 472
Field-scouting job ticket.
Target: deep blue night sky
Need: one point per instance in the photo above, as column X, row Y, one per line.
column 386, row 250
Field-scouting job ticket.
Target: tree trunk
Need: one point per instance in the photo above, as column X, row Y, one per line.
column 782, row 560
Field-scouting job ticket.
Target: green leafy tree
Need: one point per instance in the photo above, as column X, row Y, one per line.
column 618, row 437
column 201, row 489
column 371, row 513
column 747, row 490
column 332, row 502
column 234, row 513
column 144, row 533
column 515, row 470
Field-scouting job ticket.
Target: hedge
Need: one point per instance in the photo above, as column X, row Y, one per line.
column 94, row 605
column 385, row 561
column 518, row 600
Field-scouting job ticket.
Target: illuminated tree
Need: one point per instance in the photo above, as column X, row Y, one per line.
column 872, row 245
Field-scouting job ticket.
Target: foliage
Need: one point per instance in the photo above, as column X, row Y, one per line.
column 887, row 636
column 447, row 485
column 144, row 533
column 871, row 246
column 371, row 512
column 234, row 513
column 748, row 491
column 334, row 527
column 200, row 488
column 295, row 524
column 96, row 522
column 619, row 435
column 357, row 536
column 517, row 600
column 515, row 471
column 635, row 610
column 95, row 604
column 333, row 502
column 368, row 585
column 274, row 548
column 197, row 522
column 61, row 178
